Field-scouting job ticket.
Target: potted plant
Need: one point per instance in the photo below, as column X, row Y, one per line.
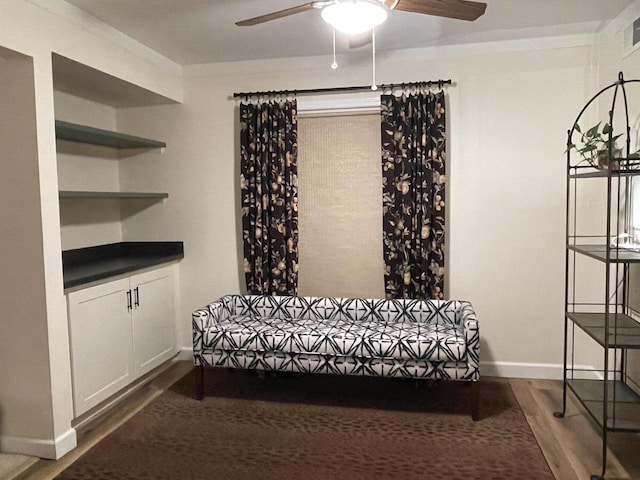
column 594, row 146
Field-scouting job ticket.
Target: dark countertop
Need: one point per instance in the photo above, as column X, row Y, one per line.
column 85, row 265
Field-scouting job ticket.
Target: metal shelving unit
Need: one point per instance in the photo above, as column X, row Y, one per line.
column 609, row 394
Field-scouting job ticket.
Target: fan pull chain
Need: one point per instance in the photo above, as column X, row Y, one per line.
column 373, row 63
column 334, row 65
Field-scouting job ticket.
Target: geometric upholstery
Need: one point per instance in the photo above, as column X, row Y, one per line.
column 436, row 339
column 370, row 339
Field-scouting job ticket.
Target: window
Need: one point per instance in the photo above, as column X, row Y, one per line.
column 633, row 216
column 340, row 204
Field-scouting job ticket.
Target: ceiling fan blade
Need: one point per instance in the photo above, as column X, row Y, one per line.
column 279, row 14
column 458, row 9
column 360, row 40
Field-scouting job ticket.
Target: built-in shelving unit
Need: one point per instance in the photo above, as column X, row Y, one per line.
column 74, row 132
column 609, row 395
column 95, row 136
column 120, row 295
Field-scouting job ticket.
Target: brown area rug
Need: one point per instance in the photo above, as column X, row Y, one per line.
column 319, row 427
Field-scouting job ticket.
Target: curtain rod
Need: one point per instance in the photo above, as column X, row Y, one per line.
column 307, row 91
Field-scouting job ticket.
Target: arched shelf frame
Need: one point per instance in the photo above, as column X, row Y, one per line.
column 628, row 161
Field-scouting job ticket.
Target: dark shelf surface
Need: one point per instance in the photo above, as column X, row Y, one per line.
column 588, row 172
column 622, row 415
column 624, row 331
column 85, row 265
column 87, row 194
column 96, row 136
column 599, row 252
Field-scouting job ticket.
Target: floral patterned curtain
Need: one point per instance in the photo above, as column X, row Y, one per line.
column 413, row 184
column 269, row 190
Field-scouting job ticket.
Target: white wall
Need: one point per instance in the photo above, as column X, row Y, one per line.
column 508, row 111
column 39, row 27
column 24, row 339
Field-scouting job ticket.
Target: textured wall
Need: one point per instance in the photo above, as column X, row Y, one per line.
column 340, row 206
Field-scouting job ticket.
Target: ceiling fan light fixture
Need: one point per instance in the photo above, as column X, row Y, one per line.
column 354, row 16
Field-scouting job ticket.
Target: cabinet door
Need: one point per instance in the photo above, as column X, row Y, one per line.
column 154, row 313
column 100, row 338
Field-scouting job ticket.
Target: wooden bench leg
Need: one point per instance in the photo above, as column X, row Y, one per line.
column 475, row 402
column 199, row 382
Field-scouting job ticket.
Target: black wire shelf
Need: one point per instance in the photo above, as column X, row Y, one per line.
column 616, row 254
column 623, row 405
column 624, row 331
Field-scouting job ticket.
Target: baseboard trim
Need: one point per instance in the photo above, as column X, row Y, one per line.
column 66, row 442
column 184, row 354
column 550, row 371
column 40, row 447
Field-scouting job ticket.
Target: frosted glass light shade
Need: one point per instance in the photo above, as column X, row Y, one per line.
column 354, row 16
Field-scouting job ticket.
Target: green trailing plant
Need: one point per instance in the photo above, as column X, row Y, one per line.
column 594, row 143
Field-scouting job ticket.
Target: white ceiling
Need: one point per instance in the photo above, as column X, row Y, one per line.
column 204, row 31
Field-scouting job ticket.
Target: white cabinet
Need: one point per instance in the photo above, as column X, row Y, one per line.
column 101, row 347
column 153, row 314
column 119, row 331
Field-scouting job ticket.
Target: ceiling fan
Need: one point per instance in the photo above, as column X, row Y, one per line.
column 358, row 16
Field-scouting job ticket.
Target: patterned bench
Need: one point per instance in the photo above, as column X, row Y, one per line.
column 430, row 339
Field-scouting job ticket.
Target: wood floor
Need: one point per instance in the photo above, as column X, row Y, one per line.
column 571, row 445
